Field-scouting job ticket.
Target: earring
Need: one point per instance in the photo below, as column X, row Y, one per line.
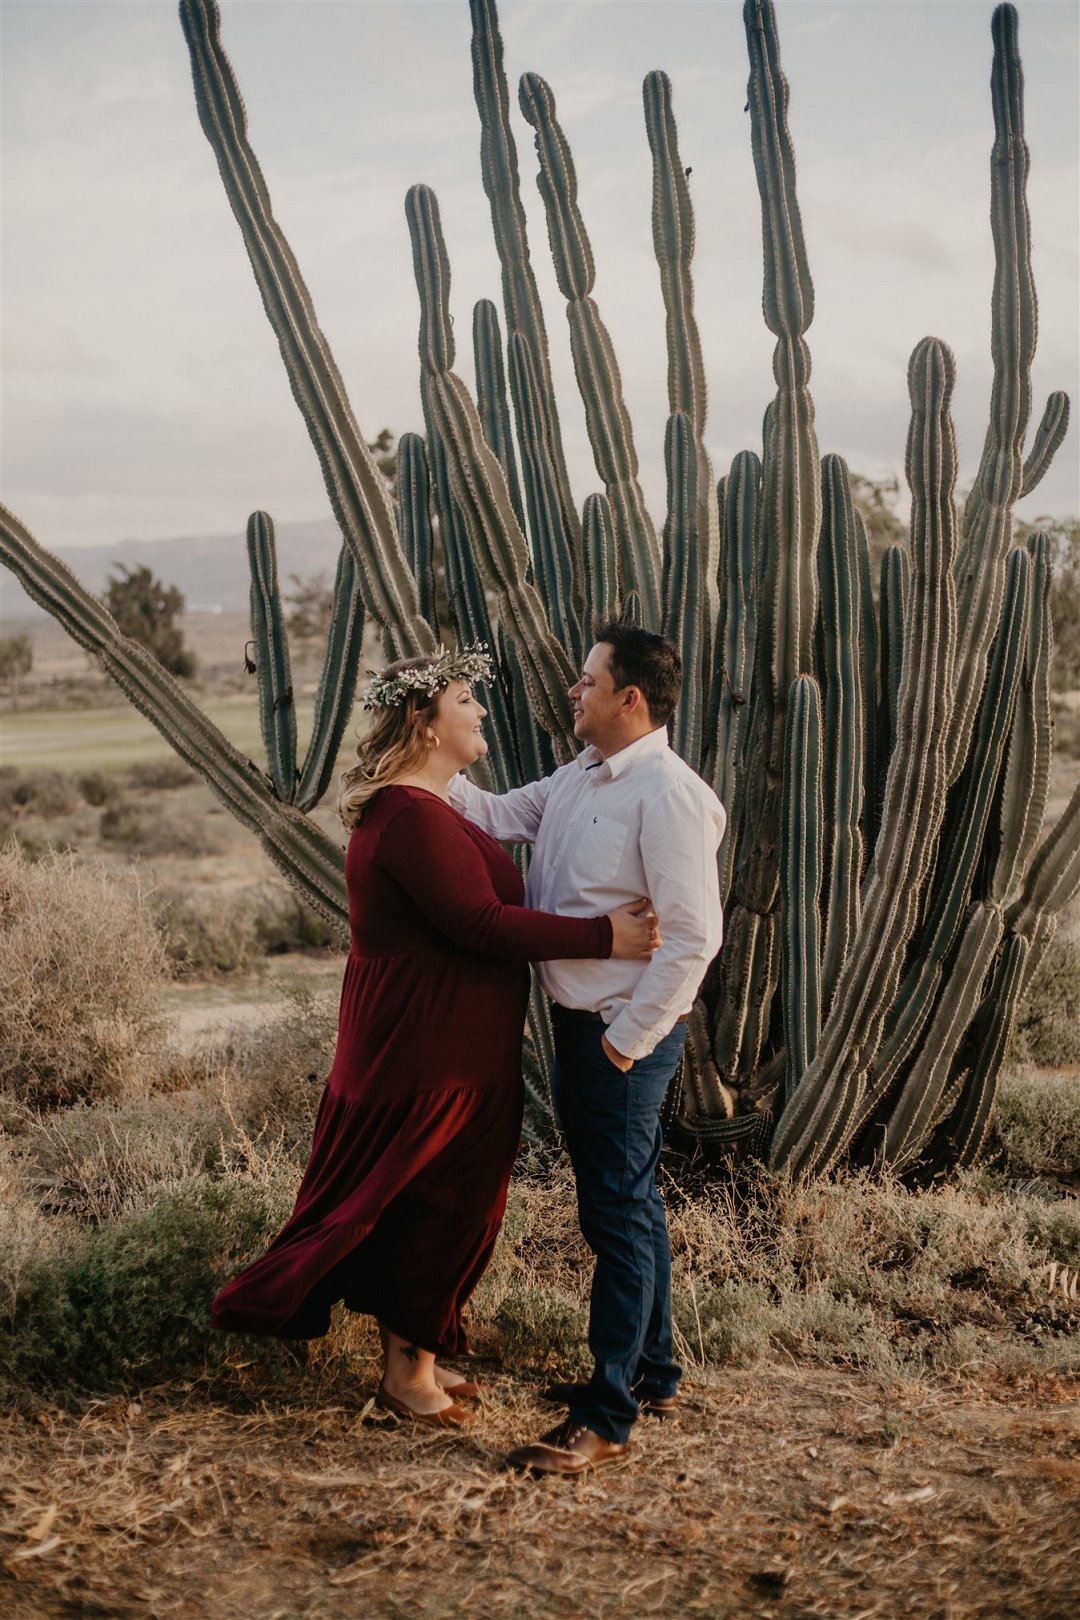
column 433, row 741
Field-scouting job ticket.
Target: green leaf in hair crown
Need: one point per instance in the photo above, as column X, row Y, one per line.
column 469, row 664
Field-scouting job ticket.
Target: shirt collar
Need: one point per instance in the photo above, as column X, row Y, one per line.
column 653, row 742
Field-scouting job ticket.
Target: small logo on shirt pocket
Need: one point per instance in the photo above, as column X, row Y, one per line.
column 598, row 851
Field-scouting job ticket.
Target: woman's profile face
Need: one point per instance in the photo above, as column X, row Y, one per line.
column 457, row 724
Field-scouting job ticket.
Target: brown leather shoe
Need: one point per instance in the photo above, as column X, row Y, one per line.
column 465, row 1391
column 450, row 1417
column 569, row 1449
column 658, row 1406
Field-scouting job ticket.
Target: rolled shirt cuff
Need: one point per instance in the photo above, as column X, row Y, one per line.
column 627, row 1036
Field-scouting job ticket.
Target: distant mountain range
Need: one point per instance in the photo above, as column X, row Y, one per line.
column 211, row 570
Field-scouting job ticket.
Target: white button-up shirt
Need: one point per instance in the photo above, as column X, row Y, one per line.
column 606, row 832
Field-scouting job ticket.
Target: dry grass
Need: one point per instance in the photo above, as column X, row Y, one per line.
column 879, row 1416
column 856, row 1272
column 1048, row 1020
column 1036, row 1129
column 783, row 1493
column 81, row 966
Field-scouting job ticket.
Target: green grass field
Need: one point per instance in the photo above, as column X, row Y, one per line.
column 113, row 739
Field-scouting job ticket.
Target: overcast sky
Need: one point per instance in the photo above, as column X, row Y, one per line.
column 144, row 396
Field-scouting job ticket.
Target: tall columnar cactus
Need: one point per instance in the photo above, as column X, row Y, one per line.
column 884, row 757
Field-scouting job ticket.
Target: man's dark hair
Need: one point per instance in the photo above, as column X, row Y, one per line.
column 640, row 658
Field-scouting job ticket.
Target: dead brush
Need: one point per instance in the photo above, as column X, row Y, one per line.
column 101, row 1163
column 1036, row 1130
column 80, row 970
column 859, row 1271
column 271, row 1075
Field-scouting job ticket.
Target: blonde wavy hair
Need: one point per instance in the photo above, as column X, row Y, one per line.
column 395, row 745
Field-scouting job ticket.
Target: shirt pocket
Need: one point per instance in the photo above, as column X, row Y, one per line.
column 596, row 859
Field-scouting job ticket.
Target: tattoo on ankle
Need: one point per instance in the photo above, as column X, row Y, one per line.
column 411, row 1351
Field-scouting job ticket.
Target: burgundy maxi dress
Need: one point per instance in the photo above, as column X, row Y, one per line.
column 418, row 1126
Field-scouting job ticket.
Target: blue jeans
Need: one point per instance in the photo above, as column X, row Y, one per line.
column 611, row 1122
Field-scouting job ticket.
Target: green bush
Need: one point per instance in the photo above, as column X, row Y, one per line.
column 727, row 1325
column 207, row 931
column 120, row 824
column 185, row 1189
column 543, row 1329
column 130, row 1300
column 271, row 1077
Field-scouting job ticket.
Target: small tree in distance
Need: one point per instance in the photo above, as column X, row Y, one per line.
column 147, row 610
column 16, row 660
column 311, row 599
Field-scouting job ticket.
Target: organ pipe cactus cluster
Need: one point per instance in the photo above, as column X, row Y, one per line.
column 882, row 746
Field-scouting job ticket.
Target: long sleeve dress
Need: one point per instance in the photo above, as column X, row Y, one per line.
column 404, row 1192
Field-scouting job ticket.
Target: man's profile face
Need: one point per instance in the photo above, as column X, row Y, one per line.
column 596, row 703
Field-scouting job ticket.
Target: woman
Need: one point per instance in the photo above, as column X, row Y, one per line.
column 404, row 1193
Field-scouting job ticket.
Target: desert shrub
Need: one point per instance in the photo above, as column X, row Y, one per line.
column 98, row 788
column 543, row 1329
column 1047, row 1028
column 9, row 782
column 271, row 1078
column 1053, row 1227
column 80, row 969
column 30, row 844
column 726, row 1325
column 132, row 1297
column 97, row 1163
column 206, row 931
column 283, row 922
column 165, row 774
column 857, row 1271
column 142, row 830
column 1066, row 729
column 120, row 824
column 1036, row 1130
column 266, row 1079
column 41, row 793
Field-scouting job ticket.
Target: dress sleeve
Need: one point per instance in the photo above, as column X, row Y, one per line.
column 430, row 855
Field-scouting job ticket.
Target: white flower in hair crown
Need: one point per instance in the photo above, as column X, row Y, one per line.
column 468, row 664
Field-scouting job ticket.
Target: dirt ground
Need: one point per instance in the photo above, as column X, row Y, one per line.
column 783, row 1492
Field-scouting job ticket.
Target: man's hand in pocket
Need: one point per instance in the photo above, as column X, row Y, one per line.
column 620, row 1062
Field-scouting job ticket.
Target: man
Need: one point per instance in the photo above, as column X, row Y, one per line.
column 626, row 818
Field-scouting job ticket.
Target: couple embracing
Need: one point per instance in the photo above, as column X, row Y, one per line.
column 402, row 1199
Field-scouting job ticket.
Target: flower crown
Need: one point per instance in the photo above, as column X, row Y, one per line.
column 468, row 664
